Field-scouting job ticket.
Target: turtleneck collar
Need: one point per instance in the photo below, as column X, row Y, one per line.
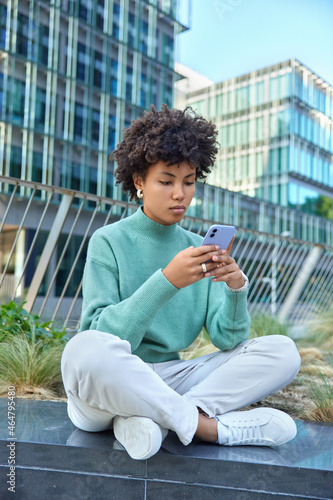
column 150, row 229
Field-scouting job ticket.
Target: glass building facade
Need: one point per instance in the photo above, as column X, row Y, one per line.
column 276, row 136
column 73, row 73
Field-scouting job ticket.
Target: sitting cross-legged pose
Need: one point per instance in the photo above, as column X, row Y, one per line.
column 147, row 296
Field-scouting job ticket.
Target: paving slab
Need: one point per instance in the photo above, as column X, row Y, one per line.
column 55, row 460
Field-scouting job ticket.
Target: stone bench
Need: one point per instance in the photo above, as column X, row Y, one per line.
column 55, row 460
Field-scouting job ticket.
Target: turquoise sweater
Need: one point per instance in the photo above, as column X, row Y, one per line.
column 126, row 293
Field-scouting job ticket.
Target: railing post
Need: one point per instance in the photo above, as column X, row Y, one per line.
column 299, row 283
column 50, row 245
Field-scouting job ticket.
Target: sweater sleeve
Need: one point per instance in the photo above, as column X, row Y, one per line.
column 102, row 308
column 227, row 319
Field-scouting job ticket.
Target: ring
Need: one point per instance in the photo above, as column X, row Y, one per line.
column 204, row 268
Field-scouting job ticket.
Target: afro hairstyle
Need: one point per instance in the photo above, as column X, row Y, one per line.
column 170, row 135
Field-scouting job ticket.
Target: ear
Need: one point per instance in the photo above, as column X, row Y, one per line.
column 137, row 180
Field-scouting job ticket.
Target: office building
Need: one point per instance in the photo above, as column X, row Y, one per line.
column 276, row 135
column 73, row 73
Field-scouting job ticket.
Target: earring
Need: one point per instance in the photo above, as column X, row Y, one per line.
column 139, row 193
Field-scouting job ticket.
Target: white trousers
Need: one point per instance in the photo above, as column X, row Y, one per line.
column 103, row 379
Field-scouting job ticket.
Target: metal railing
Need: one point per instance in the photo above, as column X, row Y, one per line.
column 44, row 231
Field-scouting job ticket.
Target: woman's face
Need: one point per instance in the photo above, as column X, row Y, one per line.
column 167, row 191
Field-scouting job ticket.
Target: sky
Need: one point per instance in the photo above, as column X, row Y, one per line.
column 229, row 38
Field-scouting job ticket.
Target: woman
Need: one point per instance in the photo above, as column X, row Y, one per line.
column 147, row 295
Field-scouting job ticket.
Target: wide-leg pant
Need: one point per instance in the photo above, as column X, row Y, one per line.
column 102, row 379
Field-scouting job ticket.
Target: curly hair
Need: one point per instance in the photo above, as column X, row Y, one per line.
column 169, row 135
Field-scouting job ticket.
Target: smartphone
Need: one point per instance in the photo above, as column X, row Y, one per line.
column 219, row 235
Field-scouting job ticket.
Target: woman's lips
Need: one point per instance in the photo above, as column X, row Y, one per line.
column 179, row 209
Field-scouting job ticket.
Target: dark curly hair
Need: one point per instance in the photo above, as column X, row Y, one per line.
column 169, row 135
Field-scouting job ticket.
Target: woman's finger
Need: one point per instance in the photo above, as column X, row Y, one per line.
column 228, row 249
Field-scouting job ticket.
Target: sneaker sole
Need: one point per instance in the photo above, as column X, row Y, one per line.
column 140, row 436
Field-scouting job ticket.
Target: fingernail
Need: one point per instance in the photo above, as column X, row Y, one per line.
column 216, row 247
column 224, row 252
column 207, row 275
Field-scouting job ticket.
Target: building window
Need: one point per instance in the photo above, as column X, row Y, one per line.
column 303, row 131
column 37, row 167
column 144, row 37
column 78, row 122
column 273, row 94
column 143, row 90
column 284, row 159
column 129, row 85
column 75, row 176
column 99, row 70
column 18, row 98
column 260, row 94
column 1, row 93
column 3, row 18
column 260, row 128
column 22, row 39
column 109, row 184
column 82, row 62
column 244, row 132
column 92, row 180
column 85, row 9
column 95, row 123
column 43, row 44
column 167, row 50
column 131, row 30
column 154, row 92
column 298, row 86
column 242, row 98
column 114, row 77
column 231, row 101
column 309, row 129
column 15, row 162
column 284, row 85
column 259, row 164
column 231, row 135
column 168, row 96
column 283, row 122
column 100, row 14
column 199, row 106
column 40, row 109
column 112, row 133
column 296, row 123
column 116, row 20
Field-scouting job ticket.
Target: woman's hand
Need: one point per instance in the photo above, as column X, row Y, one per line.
column 186, row 267
column 226, row 269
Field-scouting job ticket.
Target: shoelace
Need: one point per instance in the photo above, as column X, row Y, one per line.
column 248, row 432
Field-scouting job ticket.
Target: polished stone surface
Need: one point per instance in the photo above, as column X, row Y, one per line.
column 47, row 422
column 56, row 460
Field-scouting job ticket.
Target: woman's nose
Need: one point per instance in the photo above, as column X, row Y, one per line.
column 178, row 193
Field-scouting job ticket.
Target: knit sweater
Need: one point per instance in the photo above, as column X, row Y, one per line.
column 126, row 293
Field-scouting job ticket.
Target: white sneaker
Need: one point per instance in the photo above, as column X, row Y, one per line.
column 140, row 436
column 259, row 427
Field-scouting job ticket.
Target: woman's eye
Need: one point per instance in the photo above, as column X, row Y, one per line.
column 165, row 183
column 189, row 183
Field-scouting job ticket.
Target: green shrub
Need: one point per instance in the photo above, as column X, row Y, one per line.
column 264, row 324
column 15, row 320
column 200, row 347
column 30, row 350
column 320, row 392
column 319, row 331
column 26, row 363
